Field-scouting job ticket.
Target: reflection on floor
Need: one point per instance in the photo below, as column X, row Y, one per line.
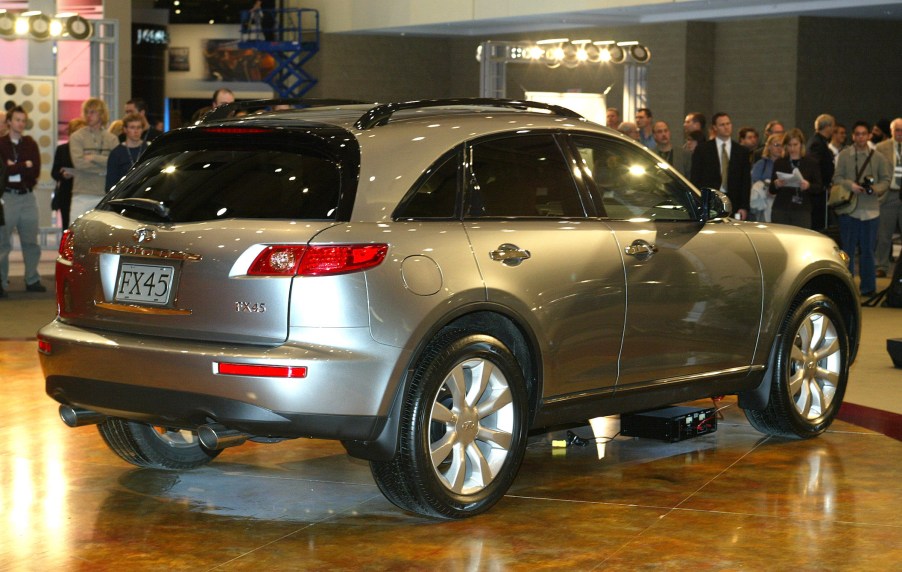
column 726, row 501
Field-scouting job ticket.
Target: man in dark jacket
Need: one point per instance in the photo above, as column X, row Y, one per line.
column 722, row 163
column 819, row 150
column 20, row 155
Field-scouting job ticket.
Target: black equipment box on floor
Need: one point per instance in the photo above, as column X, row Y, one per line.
column 670, row 424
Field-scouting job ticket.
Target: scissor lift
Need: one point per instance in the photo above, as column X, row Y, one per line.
column 291, row 37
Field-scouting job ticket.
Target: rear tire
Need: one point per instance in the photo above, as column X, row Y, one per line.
column 144, row 445
column 462, row 429
column 810, row 372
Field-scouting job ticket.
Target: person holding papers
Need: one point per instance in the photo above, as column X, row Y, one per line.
column 795, row 179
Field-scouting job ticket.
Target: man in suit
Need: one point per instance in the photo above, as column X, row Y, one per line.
column 819, row 149
column 891, row 201
column 722, row 163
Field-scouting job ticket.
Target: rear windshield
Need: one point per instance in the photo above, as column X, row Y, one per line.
column 210, row 181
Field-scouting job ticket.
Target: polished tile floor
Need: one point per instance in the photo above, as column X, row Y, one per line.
column 732, row 500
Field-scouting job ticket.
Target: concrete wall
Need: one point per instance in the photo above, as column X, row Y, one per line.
column 786, row 68
column 850, row 69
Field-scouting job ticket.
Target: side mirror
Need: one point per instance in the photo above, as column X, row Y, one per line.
column 715, row 204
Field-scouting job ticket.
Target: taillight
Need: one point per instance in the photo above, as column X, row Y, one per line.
column 322, row 260
column 67, row 247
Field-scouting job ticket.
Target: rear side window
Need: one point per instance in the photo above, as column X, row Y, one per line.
column 435, row 195
column 522, row 176
column 219, row 183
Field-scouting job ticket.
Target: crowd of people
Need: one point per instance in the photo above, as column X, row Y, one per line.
column 96, row 156
column 779, row 176
column 820, row 183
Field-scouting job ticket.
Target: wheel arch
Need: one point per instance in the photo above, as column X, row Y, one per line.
column 491, row 319
column 848, row 306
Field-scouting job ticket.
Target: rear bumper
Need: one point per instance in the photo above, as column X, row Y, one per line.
column 187, row 410
column 346, row 395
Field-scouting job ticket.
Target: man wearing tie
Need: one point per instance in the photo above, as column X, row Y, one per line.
column 891, row 201
column 722, row 163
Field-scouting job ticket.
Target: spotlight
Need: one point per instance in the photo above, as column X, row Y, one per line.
column 77, row 27
column 39, row 26
column 21, row 26
column 640, row 53
column 617, row 54
column 7, row 24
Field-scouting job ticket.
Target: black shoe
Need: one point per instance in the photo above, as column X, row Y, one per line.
column 3, row 293
column 868, row 294
column 36, row 287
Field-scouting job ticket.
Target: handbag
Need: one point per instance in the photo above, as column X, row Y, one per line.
column 844, row 200
column 839, row 195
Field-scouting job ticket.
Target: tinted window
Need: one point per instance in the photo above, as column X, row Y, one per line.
column 436, row 194
column 631, row 183
column 208, row 184
column 525, row 175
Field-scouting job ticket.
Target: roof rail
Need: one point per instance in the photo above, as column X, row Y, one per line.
column 380, row 114
column 230, row 109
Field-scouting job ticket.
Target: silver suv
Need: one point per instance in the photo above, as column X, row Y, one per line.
column 428, row 282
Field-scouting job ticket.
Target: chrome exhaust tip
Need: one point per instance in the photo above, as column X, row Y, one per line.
column 215, row 436
column 75, row 417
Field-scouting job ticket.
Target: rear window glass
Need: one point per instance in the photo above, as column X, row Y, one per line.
column 211, row 184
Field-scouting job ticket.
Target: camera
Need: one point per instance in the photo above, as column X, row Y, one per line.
column 868, row 185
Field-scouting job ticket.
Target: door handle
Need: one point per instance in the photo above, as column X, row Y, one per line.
column 509, row 254
column 640, row 249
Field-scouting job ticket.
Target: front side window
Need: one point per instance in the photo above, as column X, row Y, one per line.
column 633, row 184
column 522, row 176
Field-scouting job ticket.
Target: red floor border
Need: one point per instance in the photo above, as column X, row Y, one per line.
column 890, row 424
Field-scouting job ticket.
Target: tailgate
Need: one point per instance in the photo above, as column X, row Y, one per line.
column 178, row 280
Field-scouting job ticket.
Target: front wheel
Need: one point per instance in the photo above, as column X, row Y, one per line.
column 462, row 432
column 810, row 372
column 144, row 445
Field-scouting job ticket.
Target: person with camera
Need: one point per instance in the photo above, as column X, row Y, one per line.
column 867, row 175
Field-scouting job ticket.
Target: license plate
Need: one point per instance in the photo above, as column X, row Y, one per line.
column 144, row 283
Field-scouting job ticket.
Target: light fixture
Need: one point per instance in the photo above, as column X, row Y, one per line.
column 77, row 27
column 7, row 23
column 617, row 54
column 35, row 25
column 38, row 26
column 21, row 26
column 640, row 53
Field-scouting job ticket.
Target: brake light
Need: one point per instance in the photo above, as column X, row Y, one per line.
column 321, row 260
column 236, row 130
column 67, row 247
column 258, row 370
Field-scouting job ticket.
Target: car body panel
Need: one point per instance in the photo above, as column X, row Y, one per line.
column 570, row 291
column 694, row 305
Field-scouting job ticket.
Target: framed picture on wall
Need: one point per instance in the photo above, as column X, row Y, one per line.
column 178, row 59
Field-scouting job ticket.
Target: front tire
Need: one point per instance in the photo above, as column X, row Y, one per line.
column 144, row 445
column 810, row 372
column 462, row 432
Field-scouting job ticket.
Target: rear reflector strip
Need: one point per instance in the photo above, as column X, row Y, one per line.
column 43, row 346
column 256, row 370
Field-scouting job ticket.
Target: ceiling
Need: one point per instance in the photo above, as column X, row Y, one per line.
column 227, row 11
column 662, row 11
